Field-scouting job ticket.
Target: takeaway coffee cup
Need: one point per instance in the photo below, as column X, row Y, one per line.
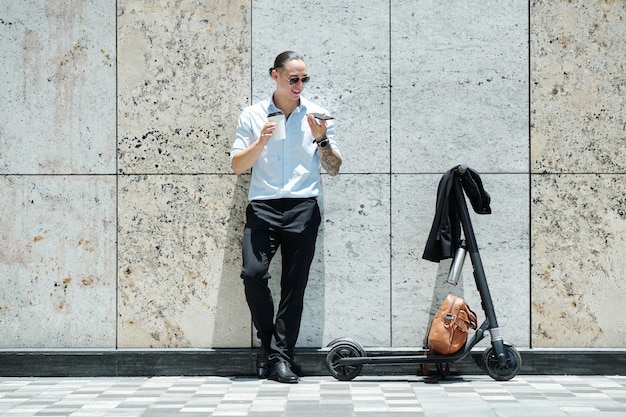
column 279, row 118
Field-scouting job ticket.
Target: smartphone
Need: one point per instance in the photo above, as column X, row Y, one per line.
column 322, row 116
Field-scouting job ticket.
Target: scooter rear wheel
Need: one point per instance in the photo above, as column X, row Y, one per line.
column 344, row 349
column 498, row 372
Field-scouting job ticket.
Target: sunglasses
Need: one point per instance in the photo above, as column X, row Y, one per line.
column 294, row 80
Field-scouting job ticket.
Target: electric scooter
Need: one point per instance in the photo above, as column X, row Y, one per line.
column 501, row 361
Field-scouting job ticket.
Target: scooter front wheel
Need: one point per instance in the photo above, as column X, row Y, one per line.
column 340, row 350
column 498, row 372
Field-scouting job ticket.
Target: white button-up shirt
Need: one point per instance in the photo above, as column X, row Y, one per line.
column 287, row 168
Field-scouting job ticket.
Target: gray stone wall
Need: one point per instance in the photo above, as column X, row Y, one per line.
column 578, row 161
column 121, row 219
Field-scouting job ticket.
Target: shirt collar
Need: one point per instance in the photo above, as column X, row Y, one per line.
column 271, row 107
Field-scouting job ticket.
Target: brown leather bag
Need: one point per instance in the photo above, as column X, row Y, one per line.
column 449, row 329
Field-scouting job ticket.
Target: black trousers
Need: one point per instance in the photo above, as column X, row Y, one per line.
column 291, row 224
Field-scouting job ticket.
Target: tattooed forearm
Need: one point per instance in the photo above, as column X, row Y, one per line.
column 331, row 161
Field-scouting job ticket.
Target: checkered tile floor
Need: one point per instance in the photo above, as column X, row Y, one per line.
column 467, row 396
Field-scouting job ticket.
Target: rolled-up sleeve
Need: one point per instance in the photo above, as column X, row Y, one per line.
column 244, row 135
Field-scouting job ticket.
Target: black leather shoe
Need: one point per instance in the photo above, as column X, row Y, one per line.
column 262, row 364
column 296, row 368
column 281, row 372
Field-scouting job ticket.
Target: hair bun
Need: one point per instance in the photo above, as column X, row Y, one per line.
column 271, row 69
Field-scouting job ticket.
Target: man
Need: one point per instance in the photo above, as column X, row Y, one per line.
column 283, row 210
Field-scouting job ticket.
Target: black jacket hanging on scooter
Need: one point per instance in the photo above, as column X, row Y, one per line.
column 445, row 234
